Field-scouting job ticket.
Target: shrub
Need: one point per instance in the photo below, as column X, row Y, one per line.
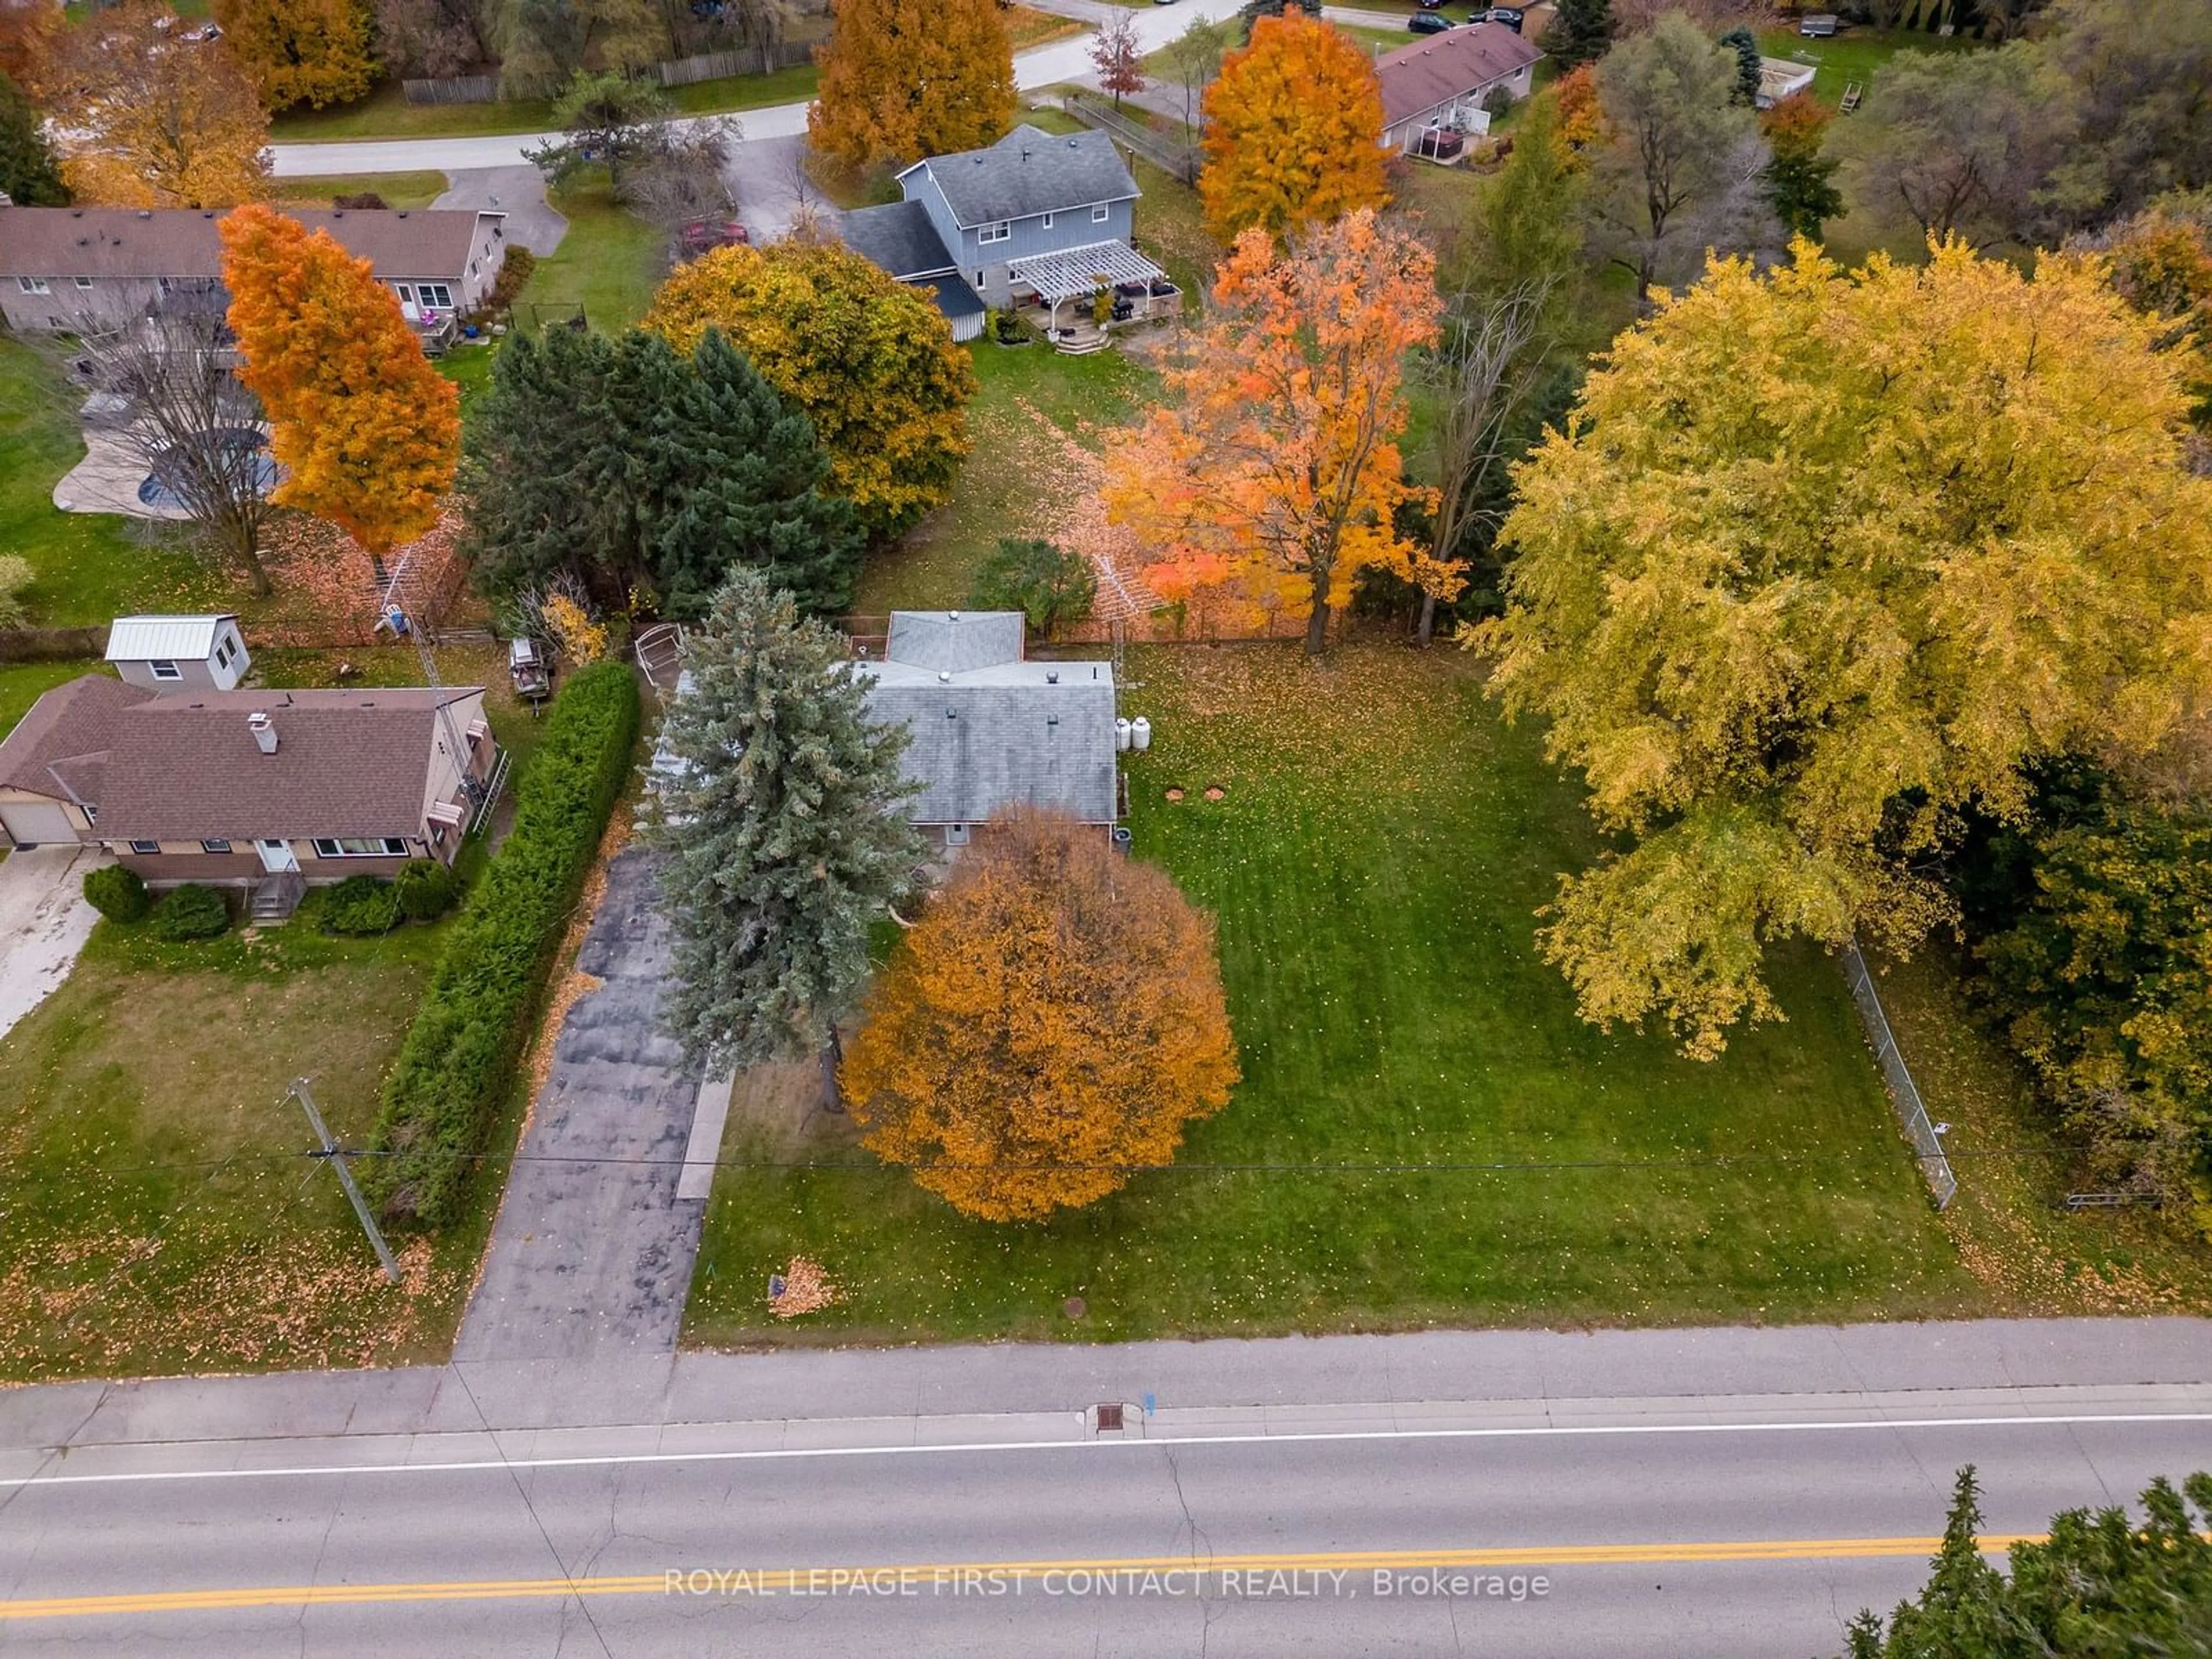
column 514, row 271
column 460, row 1054
column 1050, row 584
column 360, row 904
column 365, row 199
column 117, row 893
column 426, row 890
column 190, row 912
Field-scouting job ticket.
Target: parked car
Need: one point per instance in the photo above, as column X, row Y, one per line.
column 526, row 665
column 1428, row 22
column 1510, row 16
column 1429, row 5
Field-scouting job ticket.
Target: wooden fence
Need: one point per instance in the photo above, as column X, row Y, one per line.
column 675, row 72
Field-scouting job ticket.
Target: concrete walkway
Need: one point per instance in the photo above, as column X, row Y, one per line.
column 44, row 923
column 590, row 1257
column 1544, row 1372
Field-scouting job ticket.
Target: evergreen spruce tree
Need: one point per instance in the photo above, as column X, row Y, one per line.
column 783, row 832
column 1748, row 69
column 748, row 490
column 27, row 170
column 534, row 456
column 1580, row 33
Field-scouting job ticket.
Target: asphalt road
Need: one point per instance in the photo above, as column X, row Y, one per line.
column 1714, row 1526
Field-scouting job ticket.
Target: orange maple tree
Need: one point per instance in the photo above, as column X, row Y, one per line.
column 1292, row 130
column 369, row 431
column 1273, row 469
column 1582, row 123
column 1046, row 1029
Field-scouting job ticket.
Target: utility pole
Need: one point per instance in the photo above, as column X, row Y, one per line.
column 345, row 1178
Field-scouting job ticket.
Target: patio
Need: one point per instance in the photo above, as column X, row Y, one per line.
column 1139, row 291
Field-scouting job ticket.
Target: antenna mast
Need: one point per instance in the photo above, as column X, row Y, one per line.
column 392, row 614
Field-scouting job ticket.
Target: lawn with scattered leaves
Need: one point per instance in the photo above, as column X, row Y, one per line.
column 1427, row 1133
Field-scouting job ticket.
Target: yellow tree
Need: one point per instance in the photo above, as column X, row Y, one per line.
column 1273, row 470
column 869, row 361
column 1822, row 559
column 369, row 431
column 152, row 121
column 1047, row 1028
column 901, row 82
column 301, row 52
column 1293, row 129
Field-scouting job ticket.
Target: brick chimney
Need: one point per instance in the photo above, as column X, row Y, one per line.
column 263, row 729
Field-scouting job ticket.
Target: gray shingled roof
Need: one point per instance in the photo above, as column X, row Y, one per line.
column 982, row 743
column 52, row 242
column 75, row 721
column 1438, row 68
column 898, row 237
column 351, row 763
column 1028, row 172
column 954, row 640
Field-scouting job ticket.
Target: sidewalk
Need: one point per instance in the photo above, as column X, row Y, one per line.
column 1522, row 1366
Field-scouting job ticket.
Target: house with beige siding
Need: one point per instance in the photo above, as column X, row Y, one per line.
column 253, row 789
column 60, row 267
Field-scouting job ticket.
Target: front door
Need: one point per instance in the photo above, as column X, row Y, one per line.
column 408, row 308
column 276, row 855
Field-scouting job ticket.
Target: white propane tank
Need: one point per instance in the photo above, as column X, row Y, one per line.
column 1121, row 735
column 1141, row 734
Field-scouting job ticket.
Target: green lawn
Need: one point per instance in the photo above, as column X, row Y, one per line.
column 1031, row 398
column 1427, row 1133
column 398, row 190
column 609, row 262
column 89, row 567
column 385, row 112
column 1856, row 55
column 156, row 1214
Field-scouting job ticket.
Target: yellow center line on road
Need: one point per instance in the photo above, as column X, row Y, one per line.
column 833, row 1580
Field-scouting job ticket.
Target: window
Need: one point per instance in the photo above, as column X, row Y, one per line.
column 84, row 282
column 435, row 294
column 1099, row 214
column 145, row 846
column 997, row 232
column 32, row 284
column 216, row 845
column 223, row 653
column 979, row 279
column 163, row 669
column 373, row 846
column 1048, row 221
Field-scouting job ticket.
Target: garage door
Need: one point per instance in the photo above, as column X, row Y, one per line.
column 28, row 822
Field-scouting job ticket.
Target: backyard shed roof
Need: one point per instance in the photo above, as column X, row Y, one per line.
column 897, row 237
column 55, row 749
column 1439, row 67
column 151, row 242
column 145, row 639
column 353, row 763
column 1028, row 172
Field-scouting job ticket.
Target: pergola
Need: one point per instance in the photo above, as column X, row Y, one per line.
column 1081, row 271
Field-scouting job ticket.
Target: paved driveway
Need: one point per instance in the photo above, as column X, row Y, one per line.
column 44, row 923
column 517, row 192
column 592, row 1255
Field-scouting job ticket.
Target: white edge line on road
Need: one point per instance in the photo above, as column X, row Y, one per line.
column 769, row 1454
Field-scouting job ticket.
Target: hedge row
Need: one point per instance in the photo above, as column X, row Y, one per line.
column 459, row 1057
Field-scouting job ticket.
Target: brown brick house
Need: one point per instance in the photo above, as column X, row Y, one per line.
column 243, row 788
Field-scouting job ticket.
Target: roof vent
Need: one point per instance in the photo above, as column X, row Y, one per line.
column 263, row 729
column 145, row 213
column 403, row 213
column 1052, row 676
column 1072, row 144
column 338, row 213
column 77, row 213
column 209, row 214
column 943, row 678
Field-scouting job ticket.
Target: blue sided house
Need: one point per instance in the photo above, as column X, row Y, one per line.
column 1038, row 221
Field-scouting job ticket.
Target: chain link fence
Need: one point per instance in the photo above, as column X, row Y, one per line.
column 1904, row 1093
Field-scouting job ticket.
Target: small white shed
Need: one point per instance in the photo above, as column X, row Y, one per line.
column 179, row 654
